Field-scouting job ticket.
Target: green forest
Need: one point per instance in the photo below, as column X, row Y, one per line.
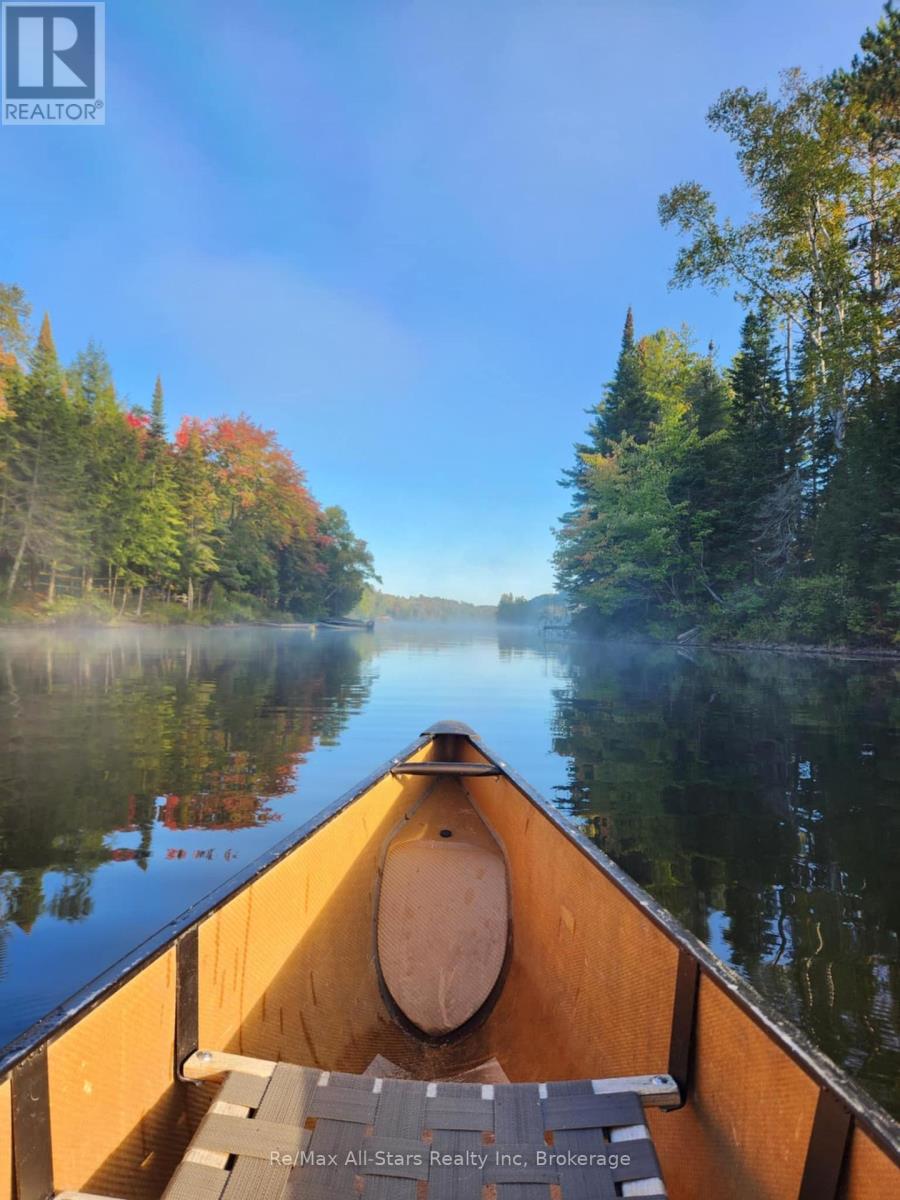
column 760, row 500
column 102, row 515
column 375, row 605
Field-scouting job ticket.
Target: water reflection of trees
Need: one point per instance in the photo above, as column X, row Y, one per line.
column 755, row 797
column 108, row 735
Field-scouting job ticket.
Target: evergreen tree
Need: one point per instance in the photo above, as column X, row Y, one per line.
column 857, row 536
column 627, row 409
column 90, row 383
column 197, row 503
column 41, row 515
column 705, row 479
column 708, row 398
column 759, row 433
column 157, row 414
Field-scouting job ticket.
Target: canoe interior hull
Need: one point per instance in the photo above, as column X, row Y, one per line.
column 442, row 918
column 288, row 969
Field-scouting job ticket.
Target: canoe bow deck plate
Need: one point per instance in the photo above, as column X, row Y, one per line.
column 443, row 912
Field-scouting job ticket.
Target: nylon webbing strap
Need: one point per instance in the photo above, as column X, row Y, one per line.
column 243, row 1089
column 337, row 1103
column 459, row 1112
column 259, row 1139
column 587, row 1111
column 418, row 1134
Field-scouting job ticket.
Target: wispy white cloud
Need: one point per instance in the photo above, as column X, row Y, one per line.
column 269, row 334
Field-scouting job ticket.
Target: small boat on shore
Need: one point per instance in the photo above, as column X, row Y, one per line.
column 436, row 988
column 346, row 623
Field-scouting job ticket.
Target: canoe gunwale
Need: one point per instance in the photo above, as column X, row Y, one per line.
column 868, row 1116
column 87, row 998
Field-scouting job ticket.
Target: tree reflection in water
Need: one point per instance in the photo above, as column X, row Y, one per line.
column 752, row 794
column 106, row 740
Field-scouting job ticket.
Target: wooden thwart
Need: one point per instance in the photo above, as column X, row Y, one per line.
column 210, row 1064
column 456, row 769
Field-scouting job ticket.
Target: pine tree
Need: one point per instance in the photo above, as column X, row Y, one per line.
column 627, row 409
column 45, row 370
column 157, row 413
column 198, row 502
column 150, row 551
column 708, row 397
column 42, row 508
column 92, row 395
column 705, row 478
column 759, row 437
column 90, row 383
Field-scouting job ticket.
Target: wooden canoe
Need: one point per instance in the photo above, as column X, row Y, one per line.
column 439, row 917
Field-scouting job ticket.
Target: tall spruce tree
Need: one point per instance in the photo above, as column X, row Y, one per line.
column 157, row 413
column 90, row 383
column 759, row 432
column 627, row 409
column 197, row 501
column 41, row 519
column 704, row 479
column 708, row 397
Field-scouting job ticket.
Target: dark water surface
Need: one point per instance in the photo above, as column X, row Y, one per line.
column 755, row 795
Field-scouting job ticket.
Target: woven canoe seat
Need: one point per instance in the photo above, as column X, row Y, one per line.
column 304, row 1134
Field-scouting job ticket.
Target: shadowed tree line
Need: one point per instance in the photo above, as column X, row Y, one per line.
column 753, row 797
column 762, row 500
column 95, row 501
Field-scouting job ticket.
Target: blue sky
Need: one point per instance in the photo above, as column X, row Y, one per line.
column 404, row 235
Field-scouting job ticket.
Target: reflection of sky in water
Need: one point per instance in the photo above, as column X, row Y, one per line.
column 753, row 795
column 719, row 925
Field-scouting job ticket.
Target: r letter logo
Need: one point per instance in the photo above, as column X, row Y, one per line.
column 54, row 64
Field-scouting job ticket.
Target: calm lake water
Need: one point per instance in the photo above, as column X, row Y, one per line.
column 755, row 795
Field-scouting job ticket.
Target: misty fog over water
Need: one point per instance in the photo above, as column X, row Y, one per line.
column 755, row 795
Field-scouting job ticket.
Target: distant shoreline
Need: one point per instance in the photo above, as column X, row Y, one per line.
column 873, row 653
